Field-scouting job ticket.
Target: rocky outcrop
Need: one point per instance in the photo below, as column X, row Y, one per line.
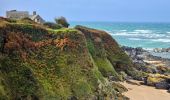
column 140, row 58
column 162, row 85
column 158, row 81
column 161, row 50
column 136, row 54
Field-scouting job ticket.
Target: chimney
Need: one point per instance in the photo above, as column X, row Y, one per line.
column 34, row 12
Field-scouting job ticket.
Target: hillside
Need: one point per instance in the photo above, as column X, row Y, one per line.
column 37, row 62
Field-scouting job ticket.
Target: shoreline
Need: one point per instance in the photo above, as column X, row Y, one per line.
column 144, row 92
column 157, row 81
column 163, row 53
column 146, row 57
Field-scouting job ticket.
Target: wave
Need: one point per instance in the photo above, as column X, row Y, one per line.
column 135, row 39
column 153, row 40
column 148, row 49
column 135, row 35
column 161, row 40
column 123, row 30
column 143, row 31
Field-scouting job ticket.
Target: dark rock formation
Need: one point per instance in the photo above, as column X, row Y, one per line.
column 162, row 85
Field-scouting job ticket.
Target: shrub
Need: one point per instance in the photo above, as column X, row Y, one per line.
column 52, row 25
column 62, row 21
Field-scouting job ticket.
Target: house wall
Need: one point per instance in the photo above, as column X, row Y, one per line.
column 38, row 19
column 17, row 14
column 23, row 14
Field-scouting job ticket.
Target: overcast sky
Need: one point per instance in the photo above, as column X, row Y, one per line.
column 94, row 10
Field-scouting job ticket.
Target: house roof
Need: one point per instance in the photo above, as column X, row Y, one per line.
column 34, row 16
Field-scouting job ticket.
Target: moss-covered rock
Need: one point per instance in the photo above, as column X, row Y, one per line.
column 153, row 79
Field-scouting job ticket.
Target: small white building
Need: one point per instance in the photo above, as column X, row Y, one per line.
column 24, row 14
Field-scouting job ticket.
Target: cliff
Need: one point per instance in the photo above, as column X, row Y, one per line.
column 37, row 62
column 107, row 54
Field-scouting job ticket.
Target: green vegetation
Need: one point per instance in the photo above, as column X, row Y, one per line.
column 52, row 25
column 105, row 67
column 107, row 54
column 39, row 62
column 25, row 21
column 91, row 47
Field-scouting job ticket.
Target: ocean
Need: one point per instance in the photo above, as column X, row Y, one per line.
column 145, row 35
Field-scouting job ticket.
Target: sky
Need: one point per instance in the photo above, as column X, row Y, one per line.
column 94, row 10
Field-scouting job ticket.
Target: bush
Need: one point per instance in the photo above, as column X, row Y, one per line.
column 62, row 21
column 52, row 25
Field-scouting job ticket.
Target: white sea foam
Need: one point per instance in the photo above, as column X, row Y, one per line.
column 149, row 49
column 140, row 35
column 135, row 39
column 123, row 30
column 161, row 40
column 134, row 32
column 143, row 31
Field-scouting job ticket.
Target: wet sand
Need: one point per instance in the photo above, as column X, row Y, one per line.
column 143, row 92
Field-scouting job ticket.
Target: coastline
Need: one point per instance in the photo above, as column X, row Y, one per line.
column 144, row 54
column 165, row 55
column 156, row 85
column 143, row 92
column 146, row 62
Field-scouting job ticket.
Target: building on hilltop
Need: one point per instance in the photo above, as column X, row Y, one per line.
column 14, row 14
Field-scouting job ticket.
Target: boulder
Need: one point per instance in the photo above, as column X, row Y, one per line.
column 133, row 82
column 169, row 90
column 153, row 79
column 162, row 85
column 158, row 81
column 161, row 50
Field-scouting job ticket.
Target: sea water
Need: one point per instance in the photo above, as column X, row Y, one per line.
column 145, row 35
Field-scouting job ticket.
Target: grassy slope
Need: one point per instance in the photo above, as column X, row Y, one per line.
column 36, row 62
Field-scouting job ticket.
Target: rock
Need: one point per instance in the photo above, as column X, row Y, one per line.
column 169, row 90
column 145, row 80
column 137, row 56
column 128, row 78
column 133, row 82
column 158, row 81
column 151, row 80
column 157, row 50
column 162, row 85
column 119, row 87
column 162, row 69
column 161, row 50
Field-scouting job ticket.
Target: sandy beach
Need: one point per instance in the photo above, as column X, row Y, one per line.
column 143, row 92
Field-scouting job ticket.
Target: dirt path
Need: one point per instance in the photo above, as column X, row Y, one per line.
column 145, row 93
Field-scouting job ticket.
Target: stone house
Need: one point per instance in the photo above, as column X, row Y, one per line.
column 14, row 14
